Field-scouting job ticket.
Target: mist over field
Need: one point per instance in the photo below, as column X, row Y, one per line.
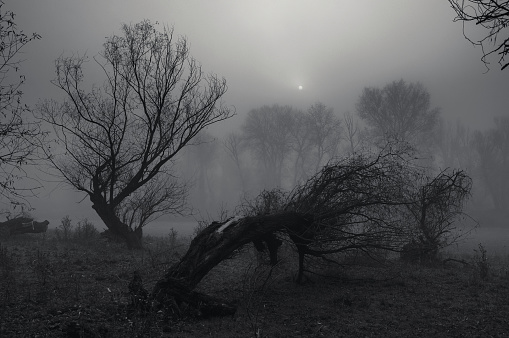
column 283, row 62
column 248, row 168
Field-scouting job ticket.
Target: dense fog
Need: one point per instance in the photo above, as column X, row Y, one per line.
column 309, row 82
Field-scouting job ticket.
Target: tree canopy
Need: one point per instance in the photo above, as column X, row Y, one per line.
column 118, row 140
column 399, row 112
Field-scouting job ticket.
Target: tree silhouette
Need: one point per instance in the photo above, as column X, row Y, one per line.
column 493, row 16
column 18, row 136
column 118, row 141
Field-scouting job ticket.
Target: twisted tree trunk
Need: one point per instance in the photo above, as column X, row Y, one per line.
column 211, row 246
column 117, row 228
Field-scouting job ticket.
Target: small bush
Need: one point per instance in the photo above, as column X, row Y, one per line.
column 85, row 230
column 64, row 230
column 419, row 251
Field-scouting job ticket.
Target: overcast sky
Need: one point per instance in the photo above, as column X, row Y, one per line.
column 266, row 49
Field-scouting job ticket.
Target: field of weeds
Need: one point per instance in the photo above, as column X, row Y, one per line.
column 52, row 286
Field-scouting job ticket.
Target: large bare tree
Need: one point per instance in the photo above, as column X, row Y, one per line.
column 493, row 17
column 116, row 142
column 17, row 134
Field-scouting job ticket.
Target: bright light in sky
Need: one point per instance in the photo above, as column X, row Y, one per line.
column 300, row 87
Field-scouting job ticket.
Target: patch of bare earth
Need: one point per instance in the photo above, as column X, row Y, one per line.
column 54, row 289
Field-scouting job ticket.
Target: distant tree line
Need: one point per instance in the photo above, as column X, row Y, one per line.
column 281, row 146
column 126, row 143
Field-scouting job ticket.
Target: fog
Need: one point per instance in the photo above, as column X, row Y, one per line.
column 266, row 50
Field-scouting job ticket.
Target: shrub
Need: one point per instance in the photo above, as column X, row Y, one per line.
column 85, row 230
column 63, row 231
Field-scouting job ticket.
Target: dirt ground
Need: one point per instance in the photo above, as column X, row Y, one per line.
column 55, row 288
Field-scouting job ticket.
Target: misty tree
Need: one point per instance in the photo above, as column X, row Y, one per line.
column 267, row 133
column 399, row 112
column 301, row 144
column 352, row 133
column 455, row 146
column 324, row 130
column 233, row 147
column 117, row 142
column 493, row 17
column 492, row 147
column 18, row 135
column 200, row 168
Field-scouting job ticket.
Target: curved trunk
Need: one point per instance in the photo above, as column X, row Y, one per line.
column 117, row 227
column 214, row 244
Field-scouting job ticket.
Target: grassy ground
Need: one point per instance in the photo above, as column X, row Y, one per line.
column 51, row 287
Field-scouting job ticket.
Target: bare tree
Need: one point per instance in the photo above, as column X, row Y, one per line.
column 492, row 147
column 324, row 129
column 118, row 141
column 399, row 112
column 353, row 204
column 200, row 167
column 17, row 134
column 301, row 146
column 437, row 202
column 493, row 16
column 233, row 147
column 455, row 145
column 267, row 131
column 352, row 133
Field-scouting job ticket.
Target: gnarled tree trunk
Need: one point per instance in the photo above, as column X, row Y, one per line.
column 117, row 227
column 211, row 246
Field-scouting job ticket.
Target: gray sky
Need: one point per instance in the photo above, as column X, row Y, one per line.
column 266, row 49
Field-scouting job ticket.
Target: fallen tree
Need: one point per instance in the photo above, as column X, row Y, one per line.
column 210, row 247
column 22, row 225
column 346, row 206
column 358, row 203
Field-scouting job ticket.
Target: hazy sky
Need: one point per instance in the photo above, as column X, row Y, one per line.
column 266, row 49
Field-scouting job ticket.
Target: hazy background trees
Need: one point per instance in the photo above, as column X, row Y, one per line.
column 117, row 142
column 438, row 143
column 290, row 145
column 18, row 134
column 492, row 148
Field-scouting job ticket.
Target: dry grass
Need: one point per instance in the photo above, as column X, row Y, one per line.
column 78, row 288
